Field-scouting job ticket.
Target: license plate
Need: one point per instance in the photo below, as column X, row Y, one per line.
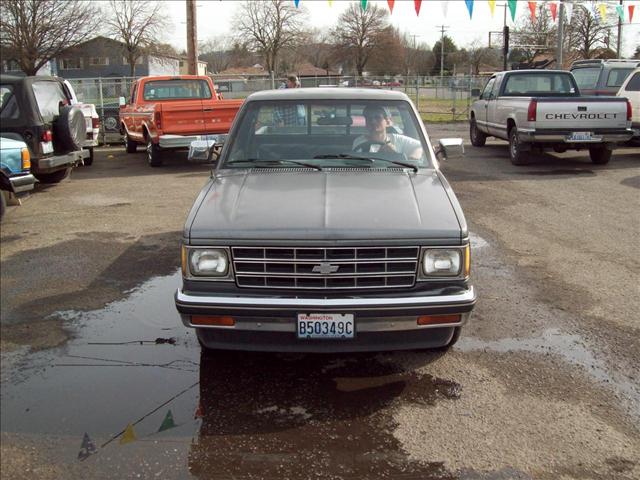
column 580, row 137
column 326, row 325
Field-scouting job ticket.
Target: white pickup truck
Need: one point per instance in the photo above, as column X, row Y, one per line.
column 537, row 109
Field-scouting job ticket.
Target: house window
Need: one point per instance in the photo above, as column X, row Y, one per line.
column 125, row 61
column 99, row 61
column 11, row 66
column 71, row 63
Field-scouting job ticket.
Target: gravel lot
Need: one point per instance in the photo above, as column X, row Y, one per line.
column 543, row 384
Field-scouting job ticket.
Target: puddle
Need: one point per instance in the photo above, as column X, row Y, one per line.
column 250, row 415
column 572, row 348
column 477, row 241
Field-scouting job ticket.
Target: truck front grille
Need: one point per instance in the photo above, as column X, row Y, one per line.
column 325, row 268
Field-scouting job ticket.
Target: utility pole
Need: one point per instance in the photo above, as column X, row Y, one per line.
column 619, row 44
column 505, row 39
column 442, row 30
column 192, row 37
column 560, row 48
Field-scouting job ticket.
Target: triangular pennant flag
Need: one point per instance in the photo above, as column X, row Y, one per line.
column 532, row 9
column 199, row 413
column 363, row 4
column 554, row 10
column 568, row 10
column 87, row 448
column 296, row 2
column 631, row 9
column 167, row 423
column 513, row 4
column 128, row 436
column 603, row 11
column 445, row 8
column 390, row 3
column 469, row 7
column 620, row 11
column 492, row 6
column 417, row 4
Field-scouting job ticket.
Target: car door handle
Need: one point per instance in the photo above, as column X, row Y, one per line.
column 486, row 106
column 208, row 109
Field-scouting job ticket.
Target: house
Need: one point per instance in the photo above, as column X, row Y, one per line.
column 184, row 66
column 104, row 57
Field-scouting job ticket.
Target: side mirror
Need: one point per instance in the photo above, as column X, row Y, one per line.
column 122, row 101
column 475, row 92
column 206, row 150
column 450, row 148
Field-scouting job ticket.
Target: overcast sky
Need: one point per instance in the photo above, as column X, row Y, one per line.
column 214, row 18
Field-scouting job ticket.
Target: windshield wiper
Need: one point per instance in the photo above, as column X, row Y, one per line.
column 257, row 161
column 348, row 156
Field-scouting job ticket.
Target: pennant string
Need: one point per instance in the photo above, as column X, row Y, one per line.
column 147, row 414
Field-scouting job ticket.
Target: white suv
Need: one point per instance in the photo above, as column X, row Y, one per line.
column 631, row 89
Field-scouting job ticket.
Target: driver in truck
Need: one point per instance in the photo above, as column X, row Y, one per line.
column 379, row 139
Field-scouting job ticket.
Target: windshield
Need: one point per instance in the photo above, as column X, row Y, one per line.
column 586, row 78
column 323, row 134
column 176, row 89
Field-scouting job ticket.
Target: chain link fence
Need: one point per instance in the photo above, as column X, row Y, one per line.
column 439, row 99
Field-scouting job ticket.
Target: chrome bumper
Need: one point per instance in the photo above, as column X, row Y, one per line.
column 533, row 136
column 269, row 314
column 22, row 183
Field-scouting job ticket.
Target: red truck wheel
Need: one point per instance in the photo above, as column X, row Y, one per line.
column 153, row 154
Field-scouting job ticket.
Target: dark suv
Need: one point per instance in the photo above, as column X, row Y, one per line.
column 602, row 77
column 38, row 111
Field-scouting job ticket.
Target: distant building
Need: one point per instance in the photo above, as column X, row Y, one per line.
column 184, row 66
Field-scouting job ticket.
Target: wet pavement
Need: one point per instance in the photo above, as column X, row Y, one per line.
column 243, row 415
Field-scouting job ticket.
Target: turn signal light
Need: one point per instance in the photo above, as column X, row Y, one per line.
column 629, row 111
column 47, row 136
column 218, row 321
column 157, row 118
column 26, row 158
column 438, row 319
column 95, row 122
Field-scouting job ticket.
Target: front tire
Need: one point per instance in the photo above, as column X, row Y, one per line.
column 153, row 154
column 518, row 157
column 478, row 138
column 600, row 155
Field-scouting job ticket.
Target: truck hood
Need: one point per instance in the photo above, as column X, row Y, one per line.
column 290, row 204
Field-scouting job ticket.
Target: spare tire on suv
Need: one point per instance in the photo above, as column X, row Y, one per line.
column 69, row 129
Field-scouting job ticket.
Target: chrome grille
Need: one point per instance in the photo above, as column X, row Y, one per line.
column 325, row 268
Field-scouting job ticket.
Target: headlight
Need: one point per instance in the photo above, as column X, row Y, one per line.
column 212, row 262
column 442, row 262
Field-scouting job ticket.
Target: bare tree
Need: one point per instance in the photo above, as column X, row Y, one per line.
column 589, row 35
column 139, row 24
column 359, row 33
column 532, row 38
column 477, row 54
column 268, row 27
column 216, row 51
column 32, row 32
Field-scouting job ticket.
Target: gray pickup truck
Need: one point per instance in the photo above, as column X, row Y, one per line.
column 326, row 226
column 538, row 109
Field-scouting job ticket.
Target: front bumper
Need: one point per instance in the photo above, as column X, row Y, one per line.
column 22, row 183
column 270, row 323
column 553, row 136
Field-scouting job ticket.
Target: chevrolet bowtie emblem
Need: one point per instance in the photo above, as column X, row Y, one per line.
column 325, row 268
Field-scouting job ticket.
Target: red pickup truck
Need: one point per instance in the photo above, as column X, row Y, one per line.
column 169, row 112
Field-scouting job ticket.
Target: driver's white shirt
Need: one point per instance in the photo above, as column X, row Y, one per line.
column 401, row 143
